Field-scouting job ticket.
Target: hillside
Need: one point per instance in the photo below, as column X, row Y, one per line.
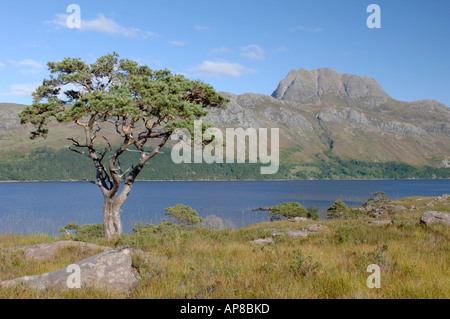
column 330, row 125
column 352, row 117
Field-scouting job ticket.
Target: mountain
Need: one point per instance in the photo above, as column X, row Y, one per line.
column 324, row 117
column 323, row 112
column 326, row 86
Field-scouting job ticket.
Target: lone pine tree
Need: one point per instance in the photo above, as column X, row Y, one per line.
column 136, row 103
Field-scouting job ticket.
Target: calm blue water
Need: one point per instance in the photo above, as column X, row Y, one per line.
column 46, row 207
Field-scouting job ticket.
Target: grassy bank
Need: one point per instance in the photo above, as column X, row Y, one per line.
column 207, row 263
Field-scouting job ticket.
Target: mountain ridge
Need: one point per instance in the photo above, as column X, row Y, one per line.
column 322, row 114
column 310, row 87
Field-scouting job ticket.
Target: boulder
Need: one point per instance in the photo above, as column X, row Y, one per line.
column 296, row 233
column 442, row 198
column 49, row 250
column 381, row 222
column 316, row 228
column 435, row 217
column 299, row 233
column 263, row 241
column 111, row 269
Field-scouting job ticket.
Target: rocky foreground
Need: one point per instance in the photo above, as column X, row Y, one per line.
column 115, row 269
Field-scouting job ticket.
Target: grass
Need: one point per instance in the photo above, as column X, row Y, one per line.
column 204, row 263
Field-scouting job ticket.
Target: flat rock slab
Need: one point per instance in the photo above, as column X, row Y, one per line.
column 49, row 250
column 111, row 269
column 435, row 217
column 304, row 232
column 296, row 233
column 263, row 241
column 299, row 219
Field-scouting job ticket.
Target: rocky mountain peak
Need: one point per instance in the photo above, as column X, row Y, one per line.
column 326, row 86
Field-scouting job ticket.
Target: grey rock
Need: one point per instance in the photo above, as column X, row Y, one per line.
column 299, row 233
column 111, row 270
column 439, row 128
column 316, row 86
column 442, row 198
column 298, row 86
column 49, row 250
column 316, row 228
column 234, row 115
column 445, row 163
column 331, row 114
column 263, row 241
column 296, row 233
column 400, row 127
column 288, row 118
column 435, row 217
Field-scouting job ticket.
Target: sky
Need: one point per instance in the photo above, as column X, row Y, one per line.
column 236, row 46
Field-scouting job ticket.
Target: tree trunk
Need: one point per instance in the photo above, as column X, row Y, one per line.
column 111, row 217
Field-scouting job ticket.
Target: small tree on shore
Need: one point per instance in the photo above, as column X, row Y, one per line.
column 288, row 210
column 338, row 210
column 184, row 216
column 136, row 104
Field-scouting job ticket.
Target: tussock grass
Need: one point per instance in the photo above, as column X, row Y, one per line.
column 204, row 263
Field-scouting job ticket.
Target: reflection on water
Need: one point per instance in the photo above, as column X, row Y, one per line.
column 46, row 207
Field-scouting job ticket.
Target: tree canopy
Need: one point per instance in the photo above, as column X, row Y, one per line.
column 184, row 216
column 139, row 103
column 288, row 210
column 338, row 210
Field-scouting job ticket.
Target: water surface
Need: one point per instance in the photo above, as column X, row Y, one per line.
column 48, row 206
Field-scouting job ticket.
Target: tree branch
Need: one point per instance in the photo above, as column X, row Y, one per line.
column 129, row 181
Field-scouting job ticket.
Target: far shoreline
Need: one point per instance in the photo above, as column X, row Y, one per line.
column 239, row 180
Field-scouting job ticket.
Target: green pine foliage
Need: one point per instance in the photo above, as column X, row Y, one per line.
column 288, row 210
column 338, row 210
column 184, row 216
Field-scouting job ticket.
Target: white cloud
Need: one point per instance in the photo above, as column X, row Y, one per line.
column 178, row 43
column 21, row 90
column 2, row 64
column 104, row 25
column 303, row 28
column 222, row 68
column 220, row 50
column 28, row 66
column 253, row 51
column 201, row 28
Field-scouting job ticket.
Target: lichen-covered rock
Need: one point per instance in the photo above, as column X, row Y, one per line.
column 263, row 241
column 299, row 219
column 296, row 233
column 435, row 217
column 111, row 270
column 385, row 222
column 49, row 250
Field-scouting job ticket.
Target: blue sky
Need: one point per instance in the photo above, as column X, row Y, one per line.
column 236, row 46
